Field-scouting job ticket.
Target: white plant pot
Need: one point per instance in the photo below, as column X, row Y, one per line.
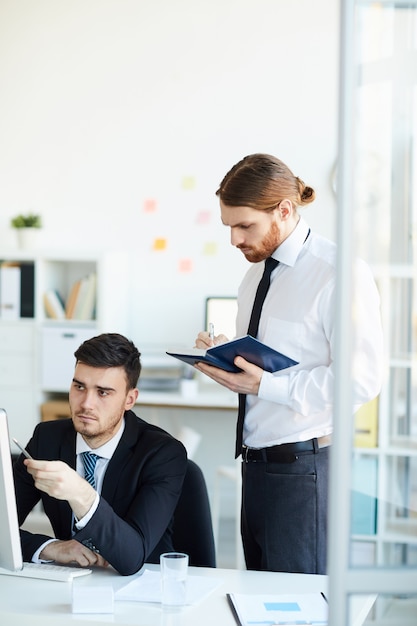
column 27, row 238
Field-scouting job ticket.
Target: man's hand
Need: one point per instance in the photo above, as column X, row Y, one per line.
column 60, row 481
column 246, row 382
column 71, row 551
column 204, row 341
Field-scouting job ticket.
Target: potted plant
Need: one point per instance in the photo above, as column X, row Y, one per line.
column 27, row 226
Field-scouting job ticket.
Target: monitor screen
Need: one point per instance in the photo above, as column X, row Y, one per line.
column 10, row 549
column 221, row 311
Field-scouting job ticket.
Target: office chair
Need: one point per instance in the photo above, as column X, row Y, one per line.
column 192, row 525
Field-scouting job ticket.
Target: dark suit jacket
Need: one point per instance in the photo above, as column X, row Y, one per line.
column 140, row 491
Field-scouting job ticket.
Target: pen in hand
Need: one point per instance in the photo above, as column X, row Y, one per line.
column 211, row 332
column 22, row 449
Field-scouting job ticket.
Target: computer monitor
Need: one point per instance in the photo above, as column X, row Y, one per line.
column 221, row 311
column 10, row 548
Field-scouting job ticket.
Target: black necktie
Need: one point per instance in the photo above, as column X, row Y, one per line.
column 270, row 265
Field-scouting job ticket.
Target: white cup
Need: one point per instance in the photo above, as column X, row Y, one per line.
column 174, row 568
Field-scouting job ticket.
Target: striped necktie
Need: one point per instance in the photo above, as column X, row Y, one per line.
column 89, row 461
column 262, row 290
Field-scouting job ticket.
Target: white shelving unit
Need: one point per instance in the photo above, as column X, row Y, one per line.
column 36, row 357
column 395, row 539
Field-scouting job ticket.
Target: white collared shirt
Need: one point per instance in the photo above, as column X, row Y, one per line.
column 105, row 452
column 297, row 319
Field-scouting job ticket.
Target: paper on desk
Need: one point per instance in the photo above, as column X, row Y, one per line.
column 300, row 608
column 147, row 588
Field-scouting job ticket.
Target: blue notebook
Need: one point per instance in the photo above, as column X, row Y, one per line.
column 224, row 354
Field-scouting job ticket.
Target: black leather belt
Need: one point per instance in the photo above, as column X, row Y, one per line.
column 285, row 452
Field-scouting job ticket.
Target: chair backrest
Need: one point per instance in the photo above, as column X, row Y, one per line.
column 192, row 527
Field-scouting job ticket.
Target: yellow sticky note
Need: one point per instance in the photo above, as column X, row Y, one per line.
column 210, row 248
column 160, row 243
column 188, row 182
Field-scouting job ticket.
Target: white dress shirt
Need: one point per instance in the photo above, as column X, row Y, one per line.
column 105, row 452
column 297, row 319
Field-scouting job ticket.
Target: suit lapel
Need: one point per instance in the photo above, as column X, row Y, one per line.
column 67, row 454
column 121, row 456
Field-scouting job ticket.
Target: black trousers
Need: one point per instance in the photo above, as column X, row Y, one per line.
column 284, row 514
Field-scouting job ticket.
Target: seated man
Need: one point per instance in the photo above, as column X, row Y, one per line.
column 120, row 515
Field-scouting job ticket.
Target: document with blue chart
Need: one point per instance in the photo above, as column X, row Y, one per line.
column 258, row 609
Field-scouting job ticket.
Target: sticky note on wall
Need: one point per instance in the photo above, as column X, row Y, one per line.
column 160, row 243
column 149, row 205
column 185, row 265
column 188, row 182
column 210, row 248
column 203, row 217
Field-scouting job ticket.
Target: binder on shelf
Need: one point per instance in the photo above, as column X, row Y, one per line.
column 10, row 281
column 27, row 289
column 54, row 306
column 364, row 495
column 366, row 425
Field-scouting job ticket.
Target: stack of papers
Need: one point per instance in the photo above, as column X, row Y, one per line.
column 147, row 588
column 301, row 608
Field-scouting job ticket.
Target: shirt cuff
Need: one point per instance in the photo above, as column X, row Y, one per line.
column 35, row 557
column 79, row 524
column 274, row 388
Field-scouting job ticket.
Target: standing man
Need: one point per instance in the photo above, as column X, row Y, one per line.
column 285, row 418
column 115, row 506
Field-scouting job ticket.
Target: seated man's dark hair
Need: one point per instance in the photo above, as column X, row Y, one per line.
column 111, row 350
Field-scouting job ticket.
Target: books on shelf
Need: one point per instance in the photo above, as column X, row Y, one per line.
column 85, row 302
column 81, row 302
column 72, row 299
column 54, row 305
column 223, row 355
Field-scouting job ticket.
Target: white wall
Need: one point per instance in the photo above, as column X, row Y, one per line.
column 109, row 104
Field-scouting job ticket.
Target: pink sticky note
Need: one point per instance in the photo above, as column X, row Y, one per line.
column 185, row 265
column 149, row 205
column 203, row 217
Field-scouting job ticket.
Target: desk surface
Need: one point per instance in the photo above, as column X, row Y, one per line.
column 46, row 603
column 206, row 397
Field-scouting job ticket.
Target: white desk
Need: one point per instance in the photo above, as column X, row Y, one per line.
column 46, row 603
column 211, row 396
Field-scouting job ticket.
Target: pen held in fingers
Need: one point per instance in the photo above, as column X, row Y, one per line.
column 22, row 449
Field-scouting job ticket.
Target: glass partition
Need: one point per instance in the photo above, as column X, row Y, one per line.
column 377, row 215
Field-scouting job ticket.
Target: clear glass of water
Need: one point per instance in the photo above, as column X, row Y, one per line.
column 174, row 569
